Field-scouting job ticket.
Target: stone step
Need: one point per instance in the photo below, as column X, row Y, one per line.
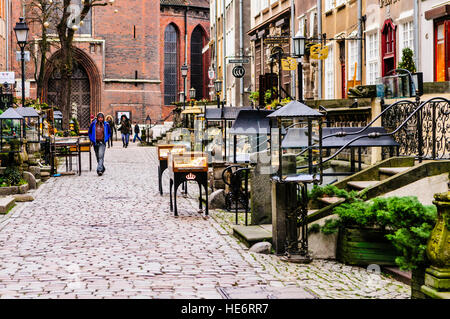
column 6, row 203
column 330, row 200
column 400, row 275
column 362, row 184
column 251, row 235
column 45, row 174
column 393, row 170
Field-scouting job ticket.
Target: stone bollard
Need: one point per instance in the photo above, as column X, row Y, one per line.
column 260, row 189
column 437, row 276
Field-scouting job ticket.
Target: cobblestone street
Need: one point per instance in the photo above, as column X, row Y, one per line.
column 114, row 237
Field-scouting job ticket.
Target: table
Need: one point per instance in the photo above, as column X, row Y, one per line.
column 65, row 147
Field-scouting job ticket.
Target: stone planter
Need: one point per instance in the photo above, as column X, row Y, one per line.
column 364, row 246
column 12, row 190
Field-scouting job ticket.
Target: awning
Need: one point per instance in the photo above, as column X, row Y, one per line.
column 298, row 138
column 252, row 122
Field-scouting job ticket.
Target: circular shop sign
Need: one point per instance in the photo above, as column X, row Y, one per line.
column 238, row 71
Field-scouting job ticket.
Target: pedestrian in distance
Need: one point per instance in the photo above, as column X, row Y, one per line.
column 99, row 134
column 112, row 129
column 125, row 129
column 137, row 130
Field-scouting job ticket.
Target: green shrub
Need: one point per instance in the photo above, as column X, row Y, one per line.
column 12, row 176
column 330, row 227
column 314, row 229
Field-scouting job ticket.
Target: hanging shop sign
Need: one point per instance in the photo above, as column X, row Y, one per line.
column 277, row 40
column 238, row 71
column 289, row 64
column 318, row 52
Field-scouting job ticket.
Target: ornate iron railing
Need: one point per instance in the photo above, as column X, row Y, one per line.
column 425, row 127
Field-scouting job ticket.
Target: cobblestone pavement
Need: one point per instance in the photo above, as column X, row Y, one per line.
column 114, row 237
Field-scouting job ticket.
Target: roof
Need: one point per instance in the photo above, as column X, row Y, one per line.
column 250, row 122
column 195, row 3
column 27, row 111
column 229, row 113
column 295, row 109
column 11, row 114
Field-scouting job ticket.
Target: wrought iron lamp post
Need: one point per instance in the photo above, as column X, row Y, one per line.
column 184, row 73
column 21, row 30
column 299, row 52
column 290, row 177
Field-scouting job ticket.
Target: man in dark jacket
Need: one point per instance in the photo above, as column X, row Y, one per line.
column 99, row 134
column 137, row 130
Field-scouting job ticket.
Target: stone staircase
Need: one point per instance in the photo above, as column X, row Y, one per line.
column 160, row 133
column 397, row 176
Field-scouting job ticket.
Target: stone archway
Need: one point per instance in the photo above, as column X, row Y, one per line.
column 86, row 86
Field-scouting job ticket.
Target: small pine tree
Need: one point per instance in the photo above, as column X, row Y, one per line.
column 407, row 62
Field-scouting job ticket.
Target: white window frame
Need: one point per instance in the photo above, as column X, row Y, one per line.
column 373, row 57
column 329, row 78
column 406, row 36
column 352, row 58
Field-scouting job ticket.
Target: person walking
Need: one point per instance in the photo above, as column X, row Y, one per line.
column 137, row 130
column 112, row 129
column 99, row 134
column 125, row 129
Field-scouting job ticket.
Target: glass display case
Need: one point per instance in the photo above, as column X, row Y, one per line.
column 164, row 150
column 31, row 123
column 11, row 134
column 188, row 162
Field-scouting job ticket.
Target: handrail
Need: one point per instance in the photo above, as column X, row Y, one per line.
column 378, row 135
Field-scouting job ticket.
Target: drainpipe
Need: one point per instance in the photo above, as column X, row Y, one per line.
column 293, row 79
column 7, row 34
column 224, row 68
column 215, row 42
column 241, row 47
column 360, row 47
column 185, row 46
column 416, row 34
column 319, row 32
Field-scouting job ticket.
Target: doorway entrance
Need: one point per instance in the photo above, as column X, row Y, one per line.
column 80, row 97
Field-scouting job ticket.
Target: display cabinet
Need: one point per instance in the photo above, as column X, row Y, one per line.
column 188, row 167
column 163, row 154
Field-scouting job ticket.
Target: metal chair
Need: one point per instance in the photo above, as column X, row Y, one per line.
column 236, row 178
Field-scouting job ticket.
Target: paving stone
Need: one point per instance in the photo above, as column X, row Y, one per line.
column 115, row 237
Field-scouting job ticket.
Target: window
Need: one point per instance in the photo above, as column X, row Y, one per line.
column 301, row 26
column 197, row 66
column 329, row 5
column 407, row 36
column 170, row 64
column 85, row 28
column 329, row 74
column 352, row 59
column 372, row 54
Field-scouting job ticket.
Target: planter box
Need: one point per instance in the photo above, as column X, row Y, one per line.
column 364, row 247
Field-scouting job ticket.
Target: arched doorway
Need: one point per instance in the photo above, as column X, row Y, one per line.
column 80, row 97
column 197, row 63
column 86, row 85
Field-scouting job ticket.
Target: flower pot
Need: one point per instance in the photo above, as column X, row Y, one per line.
column 364, row 246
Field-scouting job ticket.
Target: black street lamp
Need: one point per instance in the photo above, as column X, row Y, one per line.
column 21, row 30
column 299, row 51
column 218, row 88
column 184, row 73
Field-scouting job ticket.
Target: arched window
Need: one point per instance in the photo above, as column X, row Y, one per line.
column 170, row 64
column 388, row 46
column 197, row 63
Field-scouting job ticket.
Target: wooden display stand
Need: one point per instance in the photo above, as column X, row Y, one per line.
column 163, row 154
column 188, row 167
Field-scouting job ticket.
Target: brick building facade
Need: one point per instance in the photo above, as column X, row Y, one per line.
column 119, row 59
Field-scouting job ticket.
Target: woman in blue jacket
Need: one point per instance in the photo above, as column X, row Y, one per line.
column 99, row 134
